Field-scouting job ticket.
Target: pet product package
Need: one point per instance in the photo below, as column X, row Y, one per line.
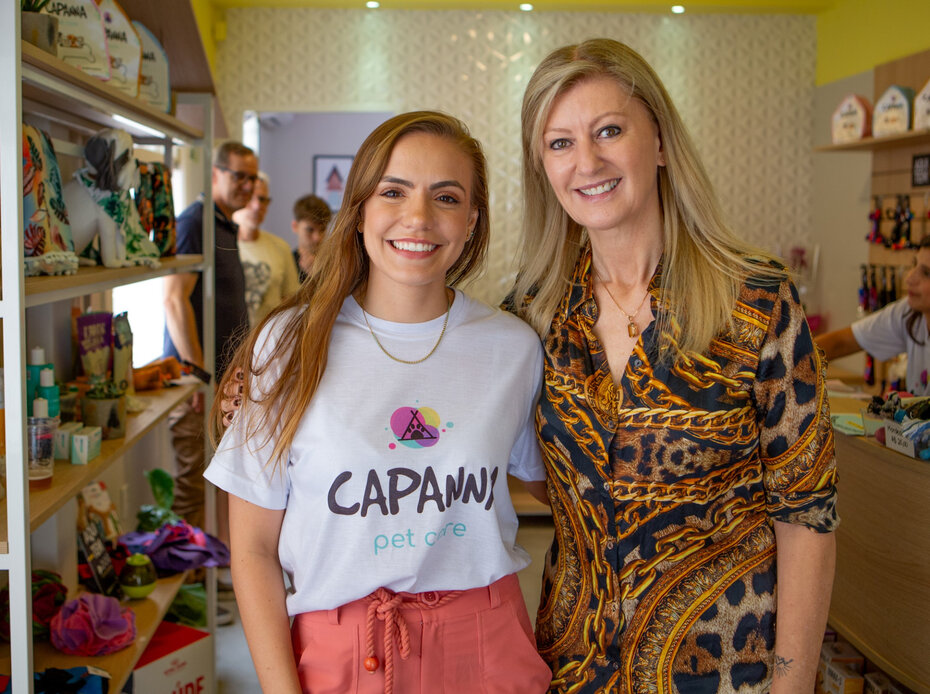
column 85, row 445
column 122, row 353
column 82, row 40
column 124, row 46
column 96, row 506
column 892, row 113
column 94, row 344
column 154, row 81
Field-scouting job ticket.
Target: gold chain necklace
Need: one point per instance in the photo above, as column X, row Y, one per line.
column 406, row 361
column 631, row 327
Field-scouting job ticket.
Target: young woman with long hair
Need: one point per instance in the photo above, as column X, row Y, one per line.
column 381, row 413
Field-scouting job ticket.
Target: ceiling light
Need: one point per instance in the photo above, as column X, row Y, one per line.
column 678, row 9
column 135, row 125
column 372, row 4
column 526, row 7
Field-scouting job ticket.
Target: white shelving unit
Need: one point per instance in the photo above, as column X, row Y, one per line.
column 38, row 85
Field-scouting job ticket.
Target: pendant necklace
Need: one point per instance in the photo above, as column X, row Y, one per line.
column 406, row 361
column 631, row 327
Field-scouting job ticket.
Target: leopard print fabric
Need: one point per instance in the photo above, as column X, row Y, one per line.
column 661, row 576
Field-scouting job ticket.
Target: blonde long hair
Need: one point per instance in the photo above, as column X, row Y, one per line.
column 703, row 260
column 341, row 269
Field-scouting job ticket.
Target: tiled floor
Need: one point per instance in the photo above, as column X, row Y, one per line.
column 234, row 671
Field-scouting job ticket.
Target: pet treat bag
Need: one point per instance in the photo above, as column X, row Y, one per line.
column 122, row 353
column 94, row 344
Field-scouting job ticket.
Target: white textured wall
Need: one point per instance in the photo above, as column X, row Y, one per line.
column 744, row 85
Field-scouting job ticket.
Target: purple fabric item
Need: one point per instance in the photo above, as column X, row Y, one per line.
column 92, row 624
column 177, row 547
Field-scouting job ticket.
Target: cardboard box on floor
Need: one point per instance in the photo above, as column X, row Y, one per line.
column 837, row 652
column 879, row 683
column 178, row 660
column 842, row 678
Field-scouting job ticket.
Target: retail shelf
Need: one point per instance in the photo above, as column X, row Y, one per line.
column 871, row 144
column 69, row 479
column 88, row 280
column 64, row 89
column 149, row 613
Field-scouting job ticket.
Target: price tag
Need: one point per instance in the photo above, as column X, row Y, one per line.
column 896, row 440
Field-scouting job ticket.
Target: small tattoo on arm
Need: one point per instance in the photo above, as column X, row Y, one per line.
column 782, row 665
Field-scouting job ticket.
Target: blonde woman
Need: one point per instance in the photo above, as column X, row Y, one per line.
column 684, row 421
column 382, row 411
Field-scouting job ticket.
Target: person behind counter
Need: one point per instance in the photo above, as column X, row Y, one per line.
column 898, row 327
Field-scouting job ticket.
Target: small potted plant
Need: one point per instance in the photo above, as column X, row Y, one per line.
column 104, row 406
column 41, row 30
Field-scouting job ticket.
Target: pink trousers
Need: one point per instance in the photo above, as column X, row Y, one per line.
column 477, row 641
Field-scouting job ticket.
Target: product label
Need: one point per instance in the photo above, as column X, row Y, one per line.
column 896, row 440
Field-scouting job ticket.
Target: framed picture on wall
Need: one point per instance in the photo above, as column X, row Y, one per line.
column 330, row 172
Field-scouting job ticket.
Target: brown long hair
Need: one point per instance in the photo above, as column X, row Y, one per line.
column 340, row 269
column 703, row 260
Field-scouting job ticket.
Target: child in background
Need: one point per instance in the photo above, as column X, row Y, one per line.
column 311, row 217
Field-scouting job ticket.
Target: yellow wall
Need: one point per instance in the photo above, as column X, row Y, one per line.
column 852, row 37
column 857, row 35
column 207, row 18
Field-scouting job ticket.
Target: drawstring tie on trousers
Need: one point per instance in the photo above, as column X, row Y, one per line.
column 384, row 606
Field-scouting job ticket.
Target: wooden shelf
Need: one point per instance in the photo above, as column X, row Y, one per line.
column 46, row 289
column 149, row 613
column 60, row 87
column 871, row 144
column 69, row 479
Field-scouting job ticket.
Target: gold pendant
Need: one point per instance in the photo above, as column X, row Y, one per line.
column 632, row 329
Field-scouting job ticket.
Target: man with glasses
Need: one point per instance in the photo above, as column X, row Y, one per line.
column 235, row 170
column 270, row 273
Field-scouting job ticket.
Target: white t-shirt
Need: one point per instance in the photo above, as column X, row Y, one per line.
column 397, row 476
column 270, row 273
column 883, row 334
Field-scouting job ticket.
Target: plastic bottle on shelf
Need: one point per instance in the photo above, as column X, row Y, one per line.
column 49, row 391
column 40, row 443
column 33, row 370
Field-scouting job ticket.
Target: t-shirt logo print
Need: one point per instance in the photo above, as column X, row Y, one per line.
column 415, row 427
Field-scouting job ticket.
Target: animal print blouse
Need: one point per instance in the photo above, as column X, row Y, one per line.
column 661, row 576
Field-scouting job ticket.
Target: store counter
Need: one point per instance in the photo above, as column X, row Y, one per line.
column 881, row 594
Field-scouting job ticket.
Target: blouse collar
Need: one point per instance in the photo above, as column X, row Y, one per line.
column 580, row 297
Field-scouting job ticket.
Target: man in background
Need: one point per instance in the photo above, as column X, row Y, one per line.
column 270, row 273
column 311, row 217
column 235, row 170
